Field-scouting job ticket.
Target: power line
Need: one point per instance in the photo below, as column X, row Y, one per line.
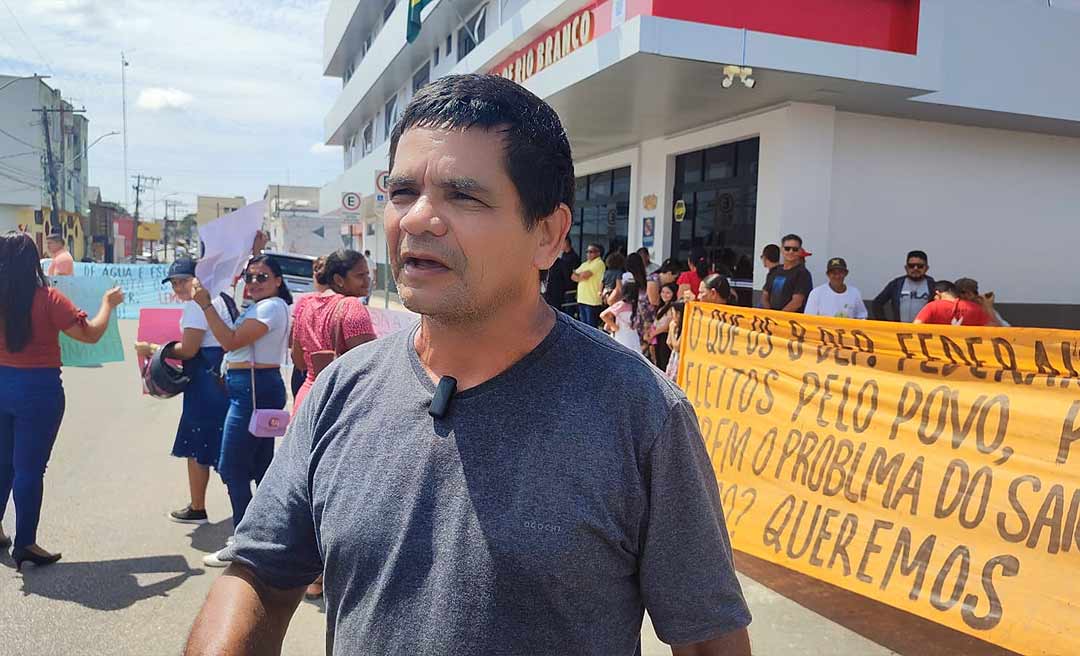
column 8, row 134
column 28, row 39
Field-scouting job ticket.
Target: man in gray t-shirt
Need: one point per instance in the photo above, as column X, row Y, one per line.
column 532, row 515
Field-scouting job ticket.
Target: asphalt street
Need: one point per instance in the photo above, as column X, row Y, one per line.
column 131, row 582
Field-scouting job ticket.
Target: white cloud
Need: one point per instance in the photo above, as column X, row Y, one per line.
column 155, row 99
column 251, row 108
column 319, row 148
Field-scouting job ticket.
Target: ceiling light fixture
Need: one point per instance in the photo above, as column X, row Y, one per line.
column 744, row 73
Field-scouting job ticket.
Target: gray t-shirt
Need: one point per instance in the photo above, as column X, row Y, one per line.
column 542, row 515
column 914, row 295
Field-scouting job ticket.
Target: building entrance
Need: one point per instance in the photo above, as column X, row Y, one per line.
column 719, row 188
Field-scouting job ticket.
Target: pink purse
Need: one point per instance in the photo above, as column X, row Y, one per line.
column 265, row 422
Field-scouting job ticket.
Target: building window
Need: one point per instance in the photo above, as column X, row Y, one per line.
column 422, row 77
column 388, row 11
column 369, row 138
column 602, row 211
column 390, row 117
column 449, row 44
column 472, row 33
column 435, row 58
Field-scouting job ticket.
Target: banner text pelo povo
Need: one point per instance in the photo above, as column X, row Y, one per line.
column 930, row 467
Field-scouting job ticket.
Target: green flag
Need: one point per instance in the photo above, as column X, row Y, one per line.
column 415, row 7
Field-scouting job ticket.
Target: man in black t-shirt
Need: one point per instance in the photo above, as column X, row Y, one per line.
column 788, row 285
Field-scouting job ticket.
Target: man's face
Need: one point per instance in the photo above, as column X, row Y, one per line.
column 836, row 277
column 916, row 268
column 792, row 251
column 592, row 252
column 54, row 246
column 459, row 249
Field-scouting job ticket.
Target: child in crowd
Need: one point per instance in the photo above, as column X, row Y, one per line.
column 661, row 354
column 674, row 335
column 621, row 318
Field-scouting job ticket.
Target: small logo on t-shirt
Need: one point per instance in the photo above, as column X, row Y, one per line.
column 541, row 526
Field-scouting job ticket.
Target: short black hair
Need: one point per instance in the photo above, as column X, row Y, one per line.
column 944, row 287
column 771, row 253
column 597, row 247
column 55, row 236
column 538, row 157
column 919, row 254
column 792, row 237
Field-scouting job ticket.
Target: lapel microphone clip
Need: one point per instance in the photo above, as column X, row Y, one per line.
column 440, row 402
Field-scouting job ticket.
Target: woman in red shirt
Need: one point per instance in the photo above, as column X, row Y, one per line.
column 32, row 316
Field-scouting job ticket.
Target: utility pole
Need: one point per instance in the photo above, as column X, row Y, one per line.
column 55, row 181
column 123, row 109
column 174, row 204
column 142, row 182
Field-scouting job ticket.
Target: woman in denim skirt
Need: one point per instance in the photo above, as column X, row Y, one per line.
column 198, row 437
column 255, row 347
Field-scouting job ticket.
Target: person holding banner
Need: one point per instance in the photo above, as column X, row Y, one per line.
column 715, row 288
column 198, row 437
column 254, row 346
column 949, row 308
column 836, row 298
column 32, row 401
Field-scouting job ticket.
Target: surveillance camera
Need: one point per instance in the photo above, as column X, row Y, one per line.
column 749, row 82
column 727, row 82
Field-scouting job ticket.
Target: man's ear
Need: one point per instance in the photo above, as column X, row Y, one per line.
column 551, row 232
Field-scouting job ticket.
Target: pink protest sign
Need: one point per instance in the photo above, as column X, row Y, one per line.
column 158, row 326
column 387, row 322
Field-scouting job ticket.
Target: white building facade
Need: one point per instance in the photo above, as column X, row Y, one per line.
column 870, row 128
column 26, row 186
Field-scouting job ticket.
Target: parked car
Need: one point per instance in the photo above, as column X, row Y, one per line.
column 296, row 269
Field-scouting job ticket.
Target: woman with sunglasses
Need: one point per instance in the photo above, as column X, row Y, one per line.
column 32, row 316
column 255, row 347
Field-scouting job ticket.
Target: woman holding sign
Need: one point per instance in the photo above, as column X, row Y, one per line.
column 32, row 316
column 254, row 350
column 198, row 437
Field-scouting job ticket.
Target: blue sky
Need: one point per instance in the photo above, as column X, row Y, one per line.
column 224, row 97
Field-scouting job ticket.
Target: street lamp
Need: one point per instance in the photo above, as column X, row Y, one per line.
column 92, row 143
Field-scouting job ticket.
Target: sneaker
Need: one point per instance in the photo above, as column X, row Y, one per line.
column 214, row 559
column 187, row 515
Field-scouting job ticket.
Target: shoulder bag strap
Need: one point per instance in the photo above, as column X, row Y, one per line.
column 339, row 326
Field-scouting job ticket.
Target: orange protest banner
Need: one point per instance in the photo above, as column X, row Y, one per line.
column 934, row 468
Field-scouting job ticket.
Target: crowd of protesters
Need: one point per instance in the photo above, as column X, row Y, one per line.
column 640, row 303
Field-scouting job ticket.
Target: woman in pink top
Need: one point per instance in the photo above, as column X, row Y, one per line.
column 336, row 319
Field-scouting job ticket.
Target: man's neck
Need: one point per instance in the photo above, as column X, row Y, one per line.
column 791, row 265
column 474, row 353
column 916, row 280
column 839, row 289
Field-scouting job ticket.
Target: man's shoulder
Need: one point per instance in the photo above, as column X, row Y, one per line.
column 586, row 349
